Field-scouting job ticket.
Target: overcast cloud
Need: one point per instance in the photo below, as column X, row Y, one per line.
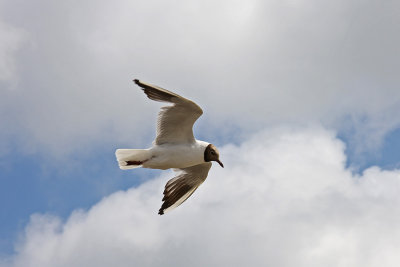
column 249, row 63
column 11, row 41
column 285, row 199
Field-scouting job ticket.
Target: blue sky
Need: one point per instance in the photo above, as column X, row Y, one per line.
column 303, row 91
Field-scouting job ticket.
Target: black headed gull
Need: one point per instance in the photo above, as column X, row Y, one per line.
column 174, row 147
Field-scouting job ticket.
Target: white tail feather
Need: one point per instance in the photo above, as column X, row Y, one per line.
column 124, row 155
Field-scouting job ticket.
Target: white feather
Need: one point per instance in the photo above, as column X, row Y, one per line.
column 124, row 155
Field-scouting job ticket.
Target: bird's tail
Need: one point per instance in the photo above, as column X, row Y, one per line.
column 132, row 158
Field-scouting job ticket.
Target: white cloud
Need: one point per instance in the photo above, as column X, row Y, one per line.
column 284, row 199
column 251, row 63
column 11, row 39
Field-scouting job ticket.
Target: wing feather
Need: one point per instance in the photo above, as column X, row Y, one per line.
column 181, row 187
column 174, row 123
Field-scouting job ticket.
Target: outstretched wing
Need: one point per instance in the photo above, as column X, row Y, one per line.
column 175, row 123
column 181, row 187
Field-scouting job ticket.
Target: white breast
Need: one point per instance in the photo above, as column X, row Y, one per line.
column 176, row 156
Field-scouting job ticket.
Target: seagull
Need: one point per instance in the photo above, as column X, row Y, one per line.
column 174, row 147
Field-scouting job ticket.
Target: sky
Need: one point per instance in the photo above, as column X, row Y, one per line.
column 301, row 98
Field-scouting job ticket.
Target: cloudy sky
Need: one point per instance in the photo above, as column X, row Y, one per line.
column 301, row 97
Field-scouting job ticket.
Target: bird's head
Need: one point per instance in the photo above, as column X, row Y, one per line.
column 211, row 154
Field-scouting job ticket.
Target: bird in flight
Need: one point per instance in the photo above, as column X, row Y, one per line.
column 174, row 147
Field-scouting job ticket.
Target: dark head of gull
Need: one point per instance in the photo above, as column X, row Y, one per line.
column 211, row 154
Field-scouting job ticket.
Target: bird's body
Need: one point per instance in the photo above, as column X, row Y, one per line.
column 174, row 147
column 168, row 156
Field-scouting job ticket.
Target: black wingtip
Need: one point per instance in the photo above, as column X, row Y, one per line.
column 138, row 83
column 161, row 212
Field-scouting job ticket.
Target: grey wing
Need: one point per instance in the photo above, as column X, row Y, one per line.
column 181, row 187
column 175, row 123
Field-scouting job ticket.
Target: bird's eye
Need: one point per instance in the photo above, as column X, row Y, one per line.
column 212, row 152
